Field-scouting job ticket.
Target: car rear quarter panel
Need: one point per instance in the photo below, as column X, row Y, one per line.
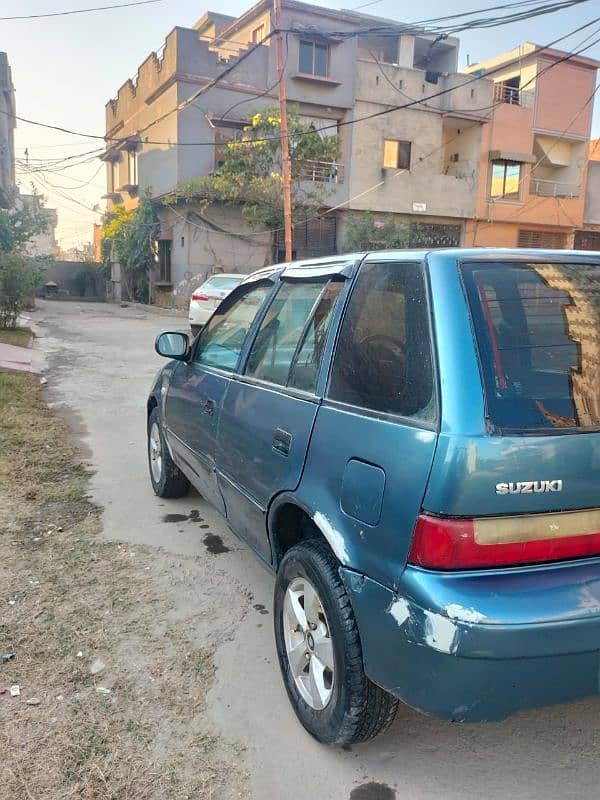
column 469, row 462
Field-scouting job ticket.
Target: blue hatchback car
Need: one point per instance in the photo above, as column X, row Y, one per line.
column 411, row 441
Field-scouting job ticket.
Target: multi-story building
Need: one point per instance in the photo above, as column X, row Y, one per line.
column 410, row 127
column 534, row 150
column 7, row 127
column 43, row 243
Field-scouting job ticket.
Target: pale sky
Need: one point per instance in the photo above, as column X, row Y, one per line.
column 66, row 68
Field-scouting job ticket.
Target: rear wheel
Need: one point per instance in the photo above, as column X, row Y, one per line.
column 319, row 650
column 167, row 479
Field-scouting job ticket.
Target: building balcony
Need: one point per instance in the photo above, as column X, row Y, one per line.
column 456, row 94
column 321, row 172
column 513, row 95
column 546, row 188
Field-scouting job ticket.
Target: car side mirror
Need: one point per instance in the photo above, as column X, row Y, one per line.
column 173, row 344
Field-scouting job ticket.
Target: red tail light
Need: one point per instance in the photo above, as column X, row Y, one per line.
column 199, row 297
column 440, row 543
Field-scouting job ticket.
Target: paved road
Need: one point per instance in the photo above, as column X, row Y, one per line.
column 101, row 365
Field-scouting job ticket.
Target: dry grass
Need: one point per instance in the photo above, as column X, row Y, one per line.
column 18, row 336
column 67, row 597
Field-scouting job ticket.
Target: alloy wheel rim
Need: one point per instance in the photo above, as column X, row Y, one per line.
column 155, row 452
column 308, row 643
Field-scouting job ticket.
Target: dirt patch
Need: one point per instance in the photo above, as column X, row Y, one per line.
column 20, row 337
column 112, row 669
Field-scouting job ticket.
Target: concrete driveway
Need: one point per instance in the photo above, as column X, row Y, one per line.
column 101, row 363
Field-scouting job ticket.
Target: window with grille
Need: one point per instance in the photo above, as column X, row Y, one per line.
column 587, row 240
column 548, row 240
column 164, row 260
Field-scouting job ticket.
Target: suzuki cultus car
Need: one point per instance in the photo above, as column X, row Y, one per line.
column 411, row 441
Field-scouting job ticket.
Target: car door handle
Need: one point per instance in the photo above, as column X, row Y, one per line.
column 282, row 442
column 209, row 406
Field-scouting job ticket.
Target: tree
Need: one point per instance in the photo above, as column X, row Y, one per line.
column 19, row 274
column 250, row 172
column 128, row 237
column 19, row 277
column 377, row 232
column 20, row 223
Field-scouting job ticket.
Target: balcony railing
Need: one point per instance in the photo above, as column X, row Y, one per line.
column 545, row 188
column 321, row 171
column 507, row 94
column 513, row 95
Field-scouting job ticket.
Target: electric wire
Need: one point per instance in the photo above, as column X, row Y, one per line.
column 79, row 11
column 243, row 56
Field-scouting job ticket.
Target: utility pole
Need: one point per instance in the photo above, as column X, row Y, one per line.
column 285, row 142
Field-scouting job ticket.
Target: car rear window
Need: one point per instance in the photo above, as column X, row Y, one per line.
column 537, row 327
column 223, row 282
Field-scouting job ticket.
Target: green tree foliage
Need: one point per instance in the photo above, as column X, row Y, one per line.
column 128, row 237
column 19, row 224
column 377, row 232
column 129, row 234
column 19, row 277
column 19, row 274
column 250, row 173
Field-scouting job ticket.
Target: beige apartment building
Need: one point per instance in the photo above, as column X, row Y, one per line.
column 418, row 163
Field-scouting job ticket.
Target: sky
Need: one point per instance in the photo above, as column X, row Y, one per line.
column 66, row 68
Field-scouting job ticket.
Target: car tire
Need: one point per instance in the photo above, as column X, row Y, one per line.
column 167, row 479
column 353, row 708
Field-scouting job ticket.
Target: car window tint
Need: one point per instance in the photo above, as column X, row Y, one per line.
column 277, row 340
column 221, row 341
column 536, row 326
column 307, row 362
column 383, row 356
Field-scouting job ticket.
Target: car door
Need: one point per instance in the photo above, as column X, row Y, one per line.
column 269, row 410
column 374, row 439
column 197, row 388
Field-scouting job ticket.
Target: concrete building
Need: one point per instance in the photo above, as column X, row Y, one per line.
column 588, row 236
column 7, row 127
column 43, row 243
column 534, row 150
column 419, row 163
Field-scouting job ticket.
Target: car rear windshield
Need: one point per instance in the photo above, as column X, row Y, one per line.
column 538, row 331
column 223, row 282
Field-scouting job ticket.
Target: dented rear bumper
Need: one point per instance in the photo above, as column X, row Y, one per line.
column 478, row 646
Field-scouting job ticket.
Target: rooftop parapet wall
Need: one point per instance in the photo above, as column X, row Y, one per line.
column 182, row 55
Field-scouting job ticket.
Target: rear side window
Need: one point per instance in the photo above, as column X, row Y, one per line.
column 383, row 356
column 289, row 344
column 538, row 332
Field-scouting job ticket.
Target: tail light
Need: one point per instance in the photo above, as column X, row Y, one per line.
column 199, row 297
column 440, row 543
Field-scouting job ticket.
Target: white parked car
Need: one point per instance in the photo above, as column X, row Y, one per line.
column 207, row 297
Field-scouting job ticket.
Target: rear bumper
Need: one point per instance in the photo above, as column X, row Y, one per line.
column 478, row 647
